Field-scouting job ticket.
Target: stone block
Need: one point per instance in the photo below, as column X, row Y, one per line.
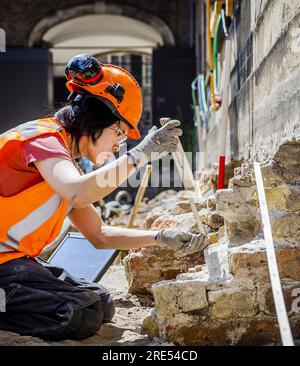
column 183, row 222
column 231, row 303
column 281, row 198
column 242, row 332
column 252, row 259
column 174, row 297
column 285, row 227
column 291, row 294
column 240, row 232
column 184, row 206
column 293, row 200
column 250, row 255
column 239, row 211
column 153, row 264
column 216, row 259
column 287, row 159
column 139, row 275
column 214, row 220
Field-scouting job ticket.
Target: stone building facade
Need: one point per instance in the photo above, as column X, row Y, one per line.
column 265, row 84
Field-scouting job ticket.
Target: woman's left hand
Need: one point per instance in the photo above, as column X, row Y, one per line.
column 182, row 241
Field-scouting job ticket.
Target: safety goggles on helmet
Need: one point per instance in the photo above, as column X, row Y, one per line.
column 84, row 69
column 113, row 85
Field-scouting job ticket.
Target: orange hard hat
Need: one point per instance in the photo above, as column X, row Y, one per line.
column 116, row 87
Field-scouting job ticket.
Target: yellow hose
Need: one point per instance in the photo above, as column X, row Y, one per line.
column 210, row 56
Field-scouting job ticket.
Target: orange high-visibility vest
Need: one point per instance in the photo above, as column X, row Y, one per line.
column 33, row 218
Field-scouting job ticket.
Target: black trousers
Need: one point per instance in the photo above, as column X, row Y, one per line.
column 47, row 302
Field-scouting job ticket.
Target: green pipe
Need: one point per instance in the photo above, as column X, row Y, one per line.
column 215, row 49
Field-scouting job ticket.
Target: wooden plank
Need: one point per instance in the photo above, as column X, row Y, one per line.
column 140, row 195
column 135, row 208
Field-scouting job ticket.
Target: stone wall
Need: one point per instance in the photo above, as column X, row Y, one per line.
column 229, row 301
column 265, row 85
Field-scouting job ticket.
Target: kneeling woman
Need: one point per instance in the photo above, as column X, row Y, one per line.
column 40, row 186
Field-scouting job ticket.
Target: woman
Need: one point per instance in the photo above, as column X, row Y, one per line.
column 40, row 186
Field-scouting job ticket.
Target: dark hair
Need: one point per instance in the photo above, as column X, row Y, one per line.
column 87, row 118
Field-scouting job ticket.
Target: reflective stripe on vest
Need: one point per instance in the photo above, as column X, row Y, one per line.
column 31, row 129
column 32, row 219
column 30, row 223
column 35, row 219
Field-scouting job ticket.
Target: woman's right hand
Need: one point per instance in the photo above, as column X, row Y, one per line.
column 157, row 143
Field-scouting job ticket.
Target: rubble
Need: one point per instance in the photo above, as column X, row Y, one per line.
column 152, row 264
column 149, row 210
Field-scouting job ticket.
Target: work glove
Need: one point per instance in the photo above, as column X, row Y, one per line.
column 182, row 241
column 157, row 143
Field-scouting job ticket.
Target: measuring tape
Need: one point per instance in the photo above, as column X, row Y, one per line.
column 282, row 317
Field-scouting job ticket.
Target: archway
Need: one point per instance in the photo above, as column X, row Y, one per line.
column 112, row 33
column 36, row 36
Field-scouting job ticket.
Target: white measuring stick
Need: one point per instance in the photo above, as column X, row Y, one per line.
column 187, row 178
column 282, row 317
